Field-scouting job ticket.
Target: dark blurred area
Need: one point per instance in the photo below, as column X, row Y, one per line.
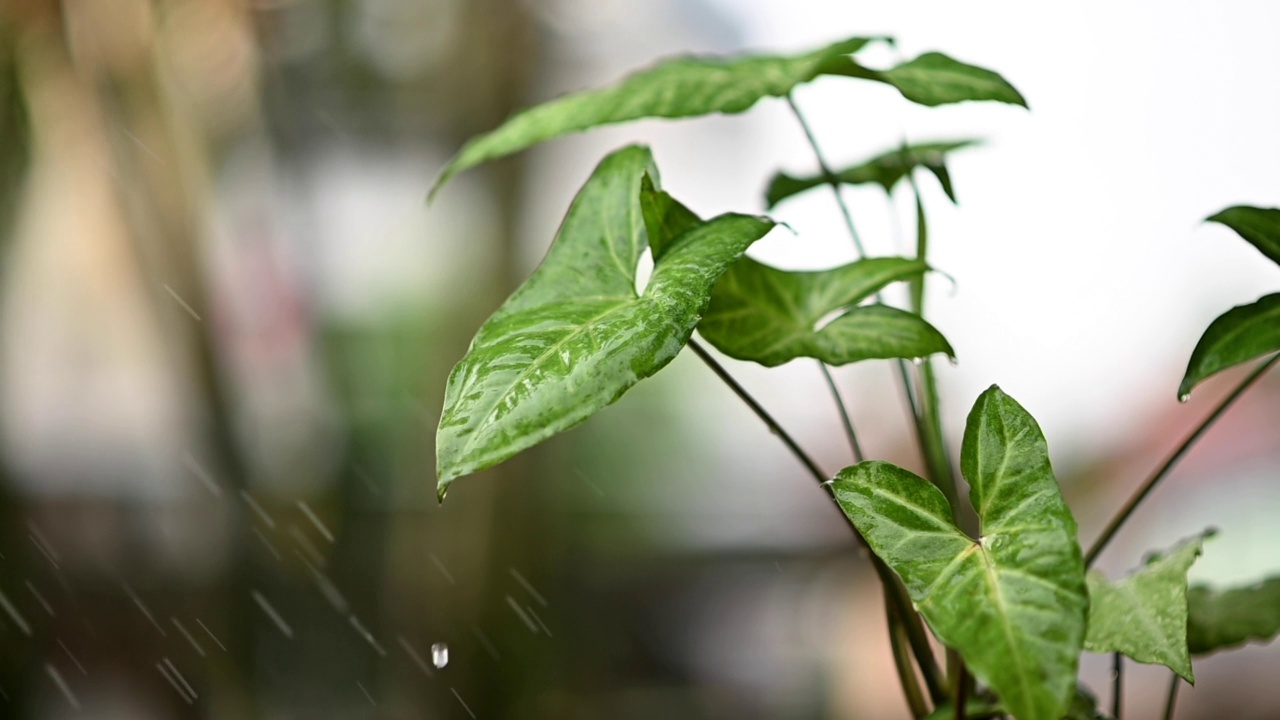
column 226, row 318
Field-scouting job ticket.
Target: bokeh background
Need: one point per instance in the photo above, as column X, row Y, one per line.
column 227, row 314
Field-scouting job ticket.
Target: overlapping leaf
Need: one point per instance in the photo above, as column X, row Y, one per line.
column 1221, row 619
column 1144, row 615
column 771, row 316
column 576, row 335
column 1260, row 227
column 937, row 79
column 1013, row 603
column 886, row 170
column 675, row 88
column 1239, row 335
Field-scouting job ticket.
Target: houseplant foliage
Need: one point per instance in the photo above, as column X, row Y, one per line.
column 1008, row 594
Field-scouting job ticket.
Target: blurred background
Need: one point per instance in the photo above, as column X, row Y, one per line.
column 227, row 314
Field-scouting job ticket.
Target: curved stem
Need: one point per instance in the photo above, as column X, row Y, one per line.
column 893, row 586
column 1172, row 699
column 845, row 418
column 1107, row 534
column 898, row 642
column 830, row 177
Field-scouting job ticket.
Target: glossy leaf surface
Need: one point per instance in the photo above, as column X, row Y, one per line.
column 886, row 170
column 771, row 316
column 576, row 335
column 1221, row 619
column 1260, row 227
column 675, row 88
column 1144, row 615
column 1014, row 603
column 937, row 79
column 1238, row 335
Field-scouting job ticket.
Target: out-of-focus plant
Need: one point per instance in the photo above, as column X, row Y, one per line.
column 1007, row 595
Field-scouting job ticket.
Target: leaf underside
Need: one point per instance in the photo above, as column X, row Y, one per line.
column 1221, row 619
column 1014, row 603
column 1144, row 615
column 772, row 316
column 1260, row 227
column 576, row 335
column 1239, row 335
column 936, row 79
column 885, row 170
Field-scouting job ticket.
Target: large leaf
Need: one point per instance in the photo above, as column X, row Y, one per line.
column 886, row 170
column 1012, row 603
column 1222, row 619
column 576, row 335
column 1259, row 226
column 771, row 316
column 1144, row 615
column 674, row 88
column 1238, row 335
column 936, row 79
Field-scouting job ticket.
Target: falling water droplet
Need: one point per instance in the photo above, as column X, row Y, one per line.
column 917, row 361
column 439, row 655
column 1184, row 397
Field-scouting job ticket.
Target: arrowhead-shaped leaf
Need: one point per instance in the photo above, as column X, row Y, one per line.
column 1144, row 615
column 885, row 170
column 1013, row 603
column 675, row 88
column 936, row 79
column 771, row 316
column 1239, row 335
column 1259, row 226
column 1222, row 619
column 576, row 335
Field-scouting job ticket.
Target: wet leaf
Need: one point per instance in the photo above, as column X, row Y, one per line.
column 886, row 170
column 576, row 335
column 1144, row 615
column 674, row 88
column 1221, row 619
column 1238, row 335
column 936, row 79
column 771, row 316
column 1259, row 226
column 1013, row 603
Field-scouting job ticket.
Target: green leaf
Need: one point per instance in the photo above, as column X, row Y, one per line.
column 1144, row 615
column 936, row 79
column 576, row 335
column 1222, row 619
column 885, row 170
column 973, row 710
column 665, row 218
column 1259, row 226
column 1239, row 335
column 1084, row 706
column 674, row 88
column 1012, row 603
column 771, row 316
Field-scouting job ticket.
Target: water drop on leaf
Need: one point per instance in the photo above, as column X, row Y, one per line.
column 439, row 655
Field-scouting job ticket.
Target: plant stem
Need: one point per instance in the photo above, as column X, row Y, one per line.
column 893, row 586
column 961, row 690
column 1173, row 696
column 1117, row 690
column 845, row 418
column 1101, row 543
column 902, row 659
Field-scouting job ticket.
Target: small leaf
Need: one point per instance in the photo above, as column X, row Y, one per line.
column 674, row 88
column 1259, row 226
column 886, row 170
column 1084, row 706
column 1014, row 603
column 936, row 79
column 771, row 316
column 1144, row 615
column 1221, row 619
column 576, row 336
column 665, row 218
column 1239, row 335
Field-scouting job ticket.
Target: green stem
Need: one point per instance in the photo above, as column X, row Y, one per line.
column 845, row 418
column 1114, row 526
column 1117, row 688
column 899, row 643
column 893, row 586
column 1172, row 699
